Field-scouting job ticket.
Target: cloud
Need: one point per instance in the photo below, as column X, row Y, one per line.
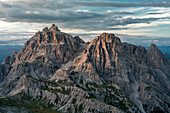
column 144, row 40
column 27, row 14
column 13, row 42
column 134, row 20
column 124, row 4
column 55, row 12
column 43, row 4
column 106, row 4
column 154, row 13
column 10, row 33
column 86, row 16
column 14, row 38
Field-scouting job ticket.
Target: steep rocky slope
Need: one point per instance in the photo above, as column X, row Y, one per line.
column 62, row 73
column 52, row 44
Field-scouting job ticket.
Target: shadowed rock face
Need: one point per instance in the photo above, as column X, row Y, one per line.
column 104, row 75
column 6, row 66
column 156, row 59
column 4, row 70
column 9, row 60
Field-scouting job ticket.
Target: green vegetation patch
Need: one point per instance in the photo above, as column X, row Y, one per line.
column 113, row 96
column 139, row 61
column 147, row 88
column 74, row 100
column 27, row 103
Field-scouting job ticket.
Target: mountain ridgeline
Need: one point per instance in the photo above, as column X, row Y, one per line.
column 56, row 72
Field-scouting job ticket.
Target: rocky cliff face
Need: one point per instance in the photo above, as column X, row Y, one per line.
column 63, row 73
column 156, row 59
column 5, row 67
column 52, row 44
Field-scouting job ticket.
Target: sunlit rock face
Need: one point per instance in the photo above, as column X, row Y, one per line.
column 106, row 75
column 52, row 44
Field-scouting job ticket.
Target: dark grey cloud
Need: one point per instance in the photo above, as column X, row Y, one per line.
column 55, row 12
column 123, row 12
column 106, row 4
column 69, row 18
column 54, row 17
column 124, row 4
column 153, row 13
column 25, row 14
column 108, row 23
column 2, row 4
column 134, row 20
column 44, row 4
column 75, row 14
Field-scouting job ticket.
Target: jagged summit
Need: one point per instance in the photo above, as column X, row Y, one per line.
column 45, row 29
column 154, row 49
column 10, row 59
column 53, row 28
column 55, row 36
column 107, row 37
column 50, row 43
column 106, row 34
column 153, row 46
column 157, row 59
column 106, row 41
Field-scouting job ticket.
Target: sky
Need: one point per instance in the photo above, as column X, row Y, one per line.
column 140, row 22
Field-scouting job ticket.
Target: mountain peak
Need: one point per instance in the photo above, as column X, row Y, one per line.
column 156, row 58
column 50, row 43
column 153, row 46
column 14, row 53
column 45, row 29
column 108, row 37
column 10, row 59
column 154, row 50
column 106, row 34
column 54, row 28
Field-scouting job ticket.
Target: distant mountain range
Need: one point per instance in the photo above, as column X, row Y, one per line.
column 57, row 73
column 8, row 50
column 167, row 55
column 165, row 49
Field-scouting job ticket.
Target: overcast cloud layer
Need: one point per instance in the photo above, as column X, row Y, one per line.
column 149, row 19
